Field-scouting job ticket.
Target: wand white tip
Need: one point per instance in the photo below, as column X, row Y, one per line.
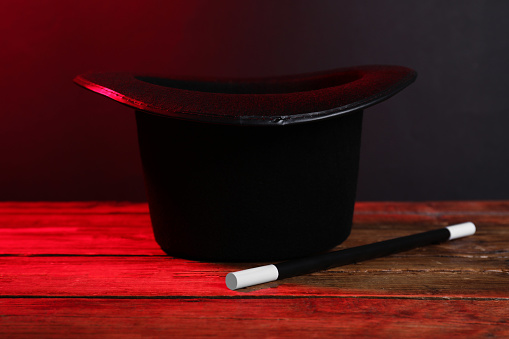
column 252, row 276
column 461, row 230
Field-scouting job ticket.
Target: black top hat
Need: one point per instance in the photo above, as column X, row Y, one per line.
column 225, row 183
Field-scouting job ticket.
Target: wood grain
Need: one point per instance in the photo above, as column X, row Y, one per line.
column 165, row 276
column 72, row 207
column 77, row 234
column 93, row 269
column 253, row 318
column 88, row 228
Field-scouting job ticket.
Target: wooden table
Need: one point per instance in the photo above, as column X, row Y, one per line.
column 92, row 269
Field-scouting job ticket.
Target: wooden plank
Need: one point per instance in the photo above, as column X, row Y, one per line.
column 164, row 276
column 380, row 207
column 131, row 234
column 79, row 207
column 74, row 234
column 253, row 318
column 434, row 207
column 443, row 212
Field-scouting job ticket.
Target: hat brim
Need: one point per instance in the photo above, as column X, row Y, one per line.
column 274, row 101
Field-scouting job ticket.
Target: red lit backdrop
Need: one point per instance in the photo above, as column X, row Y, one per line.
column 434, row 141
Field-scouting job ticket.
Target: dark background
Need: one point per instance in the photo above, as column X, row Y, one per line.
column 443, row 138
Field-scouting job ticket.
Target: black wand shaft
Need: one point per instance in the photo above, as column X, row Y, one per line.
column 325, row 261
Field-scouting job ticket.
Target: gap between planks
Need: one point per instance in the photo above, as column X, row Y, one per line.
column 256, row 297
